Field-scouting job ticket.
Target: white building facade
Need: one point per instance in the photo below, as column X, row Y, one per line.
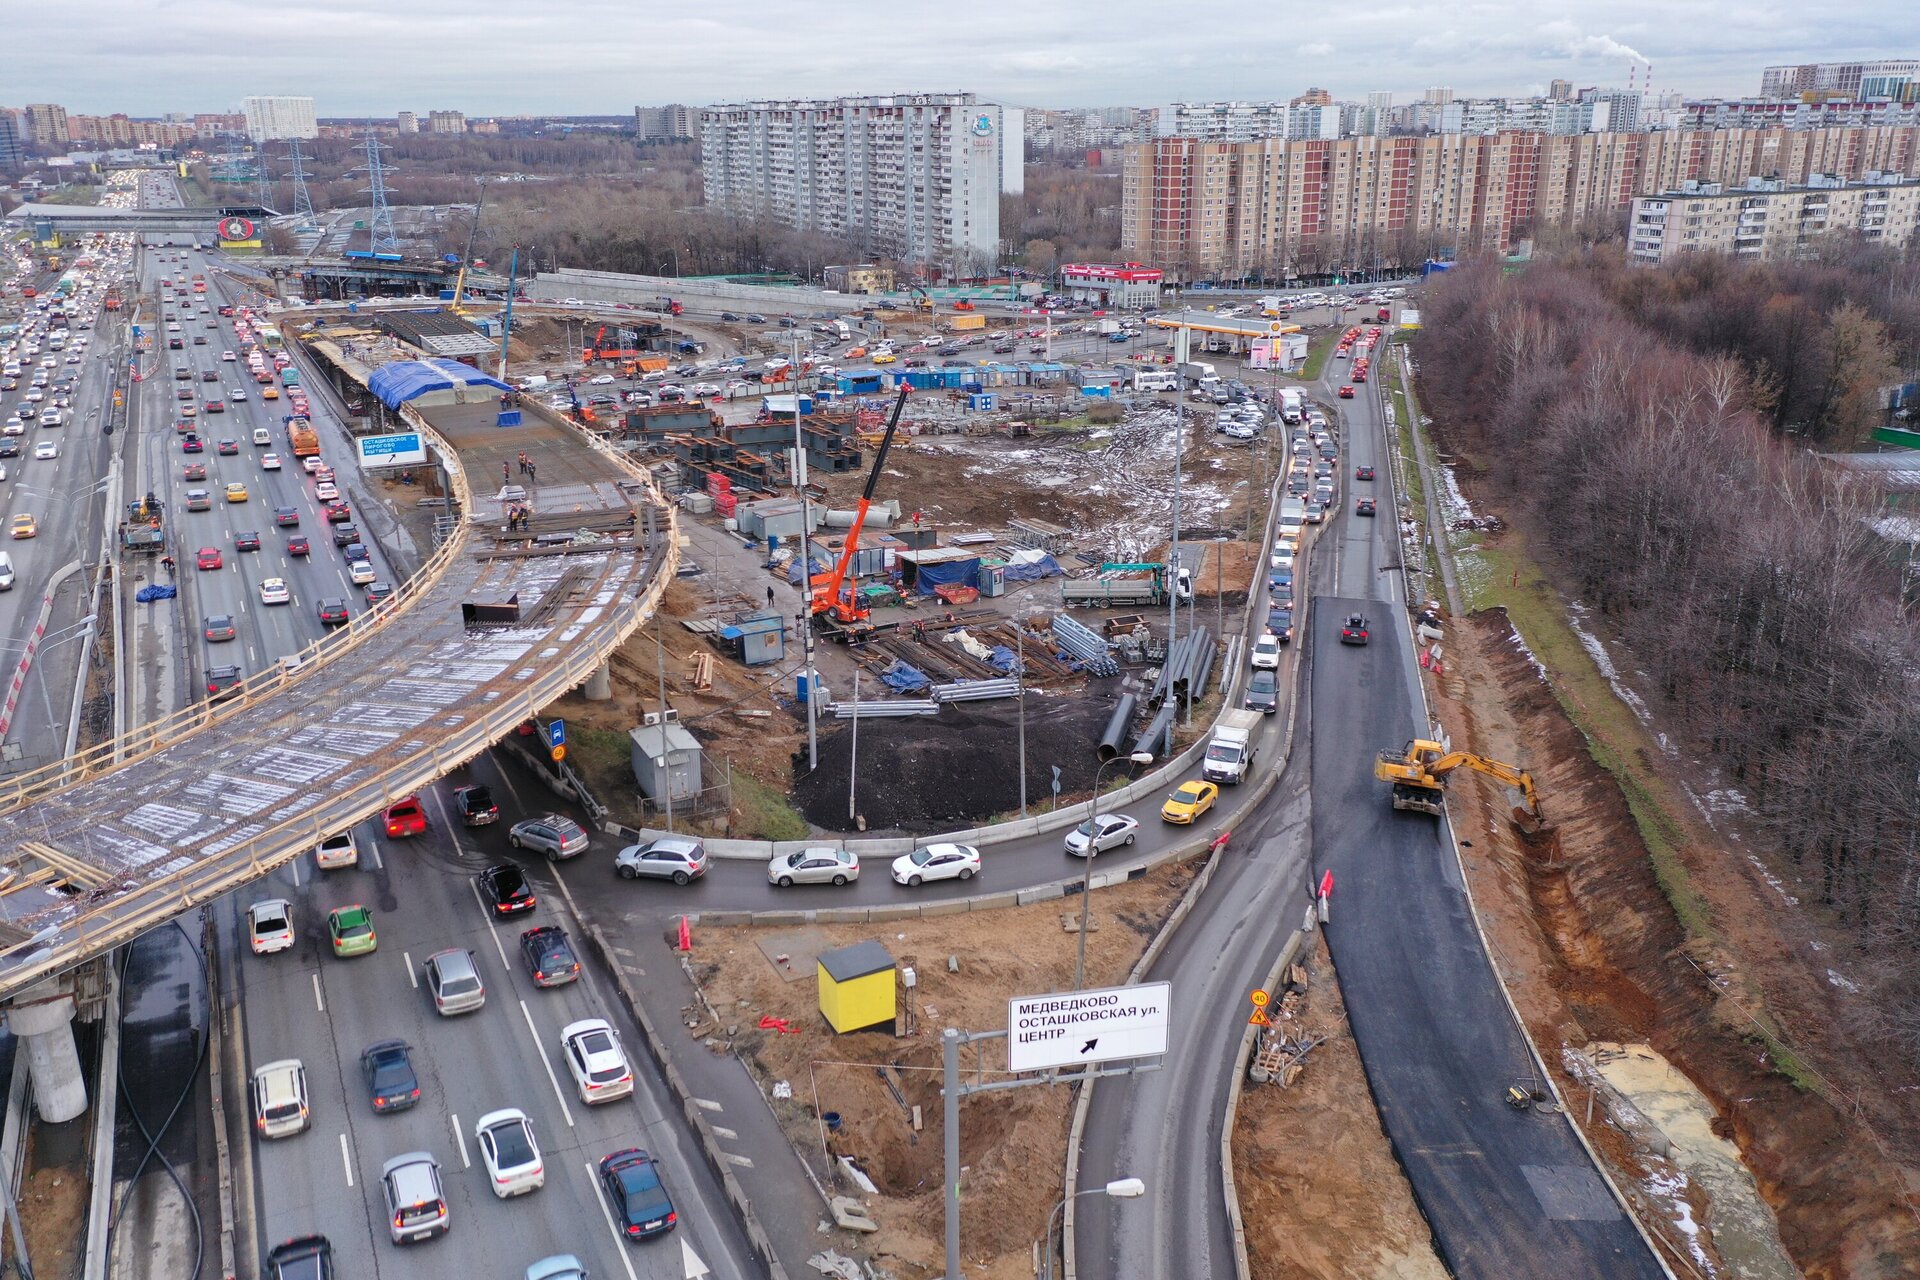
column 271, row 119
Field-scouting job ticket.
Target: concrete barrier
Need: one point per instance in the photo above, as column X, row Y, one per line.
column 1242, row 1268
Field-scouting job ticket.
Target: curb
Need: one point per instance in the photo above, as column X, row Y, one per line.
column 1289, row 951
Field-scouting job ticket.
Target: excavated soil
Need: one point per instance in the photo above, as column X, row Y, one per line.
column 1591, row 949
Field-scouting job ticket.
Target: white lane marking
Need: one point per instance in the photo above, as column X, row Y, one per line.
column 460, row 1140
column 619, row 1241
column 373, row 848
column 406, row 958
column 295, row 867
column 319, row 1001
column 553, row 1079
column 728, row 1134
column 707, row 1104
column 492, row 932
column 346, row 1159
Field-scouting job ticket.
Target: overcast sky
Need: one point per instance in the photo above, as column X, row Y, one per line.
column 595, row 57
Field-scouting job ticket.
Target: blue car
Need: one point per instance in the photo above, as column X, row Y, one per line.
column 1280, row 622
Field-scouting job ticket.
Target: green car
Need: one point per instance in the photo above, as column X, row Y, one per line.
column 351, row 929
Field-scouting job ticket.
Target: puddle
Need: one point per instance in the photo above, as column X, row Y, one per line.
column 1740, row 1224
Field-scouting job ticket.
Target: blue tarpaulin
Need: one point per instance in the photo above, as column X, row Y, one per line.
column 903, row 678
column 154, row 591
column 1031, row 567
column 922, row 571
column 1004, row 658
column 403, row 380
column 820, row 565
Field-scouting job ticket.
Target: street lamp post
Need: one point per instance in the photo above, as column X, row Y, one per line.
column 1119, row 1189
column 1093, row 849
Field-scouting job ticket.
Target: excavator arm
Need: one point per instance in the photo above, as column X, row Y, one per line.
column 1420, row 772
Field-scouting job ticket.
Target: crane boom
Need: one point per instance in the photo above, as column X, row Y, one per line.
column 826, row 586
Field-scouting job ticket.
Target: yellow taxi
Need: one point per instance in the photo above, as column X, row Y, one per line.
column 236, row 493
column 24, row 527
column 269, row 393
column 1189, row 802
column 884, row 358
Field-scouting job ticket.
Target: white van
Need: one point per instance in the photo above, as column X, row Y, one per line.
column 280, row 1098
column 260, row 436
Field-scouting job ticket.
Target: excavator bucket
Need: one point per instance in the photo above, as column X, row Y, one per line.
column 1527, row 817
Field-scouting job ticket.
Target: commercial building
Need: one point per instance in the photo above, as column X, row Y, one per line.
column 915, row 176
column 1277, row 209
column 670, row 121
column 862, row 278
column 1127, row 285
column 13, row 146
column 47, row 125
column 1848, row 79
column 446, row 122
column 1769, row 220
column 408, row 121
column 271, row 119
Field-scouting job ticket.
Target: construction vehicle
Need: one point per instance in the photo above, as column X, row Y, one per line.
column 1419, row 776
column 672, row 306
column 922, row 300
column 466, row 259
column 113, row 299
column 144, row 529
column 836, row 606
column 599, row 350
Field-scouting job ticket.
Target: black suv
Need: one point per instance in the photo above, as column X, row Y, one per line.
column 476, row 805
column 333, row 612
column 223, row 682
column 344, row 534
column 549, row 956
column 505, row 888
column 302, row 1258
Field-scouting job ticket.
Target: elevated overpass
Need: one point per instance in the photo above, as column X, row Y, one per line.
column 117, row 840
column 80, row 219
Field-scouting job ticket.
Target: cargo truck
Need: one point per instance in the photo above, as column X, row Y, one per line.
column 1193, row 372
column 1293, row 405
column 300, row 435
column 1124, row 584
column 144, row 529
column 1231, row 751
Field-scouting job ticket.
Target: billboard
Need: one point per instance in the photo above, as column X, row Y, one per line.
column 402, row 449
column 1072, row 1028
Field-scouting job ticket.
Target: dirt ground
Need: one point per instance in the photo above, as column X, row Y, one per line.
column 1012, row 1143
column 1320, row 1190
column 53, row 1210
column 1591, row 948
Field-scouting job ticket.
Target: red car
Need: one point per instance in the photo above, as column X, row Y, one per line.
column 1346, row 392
column 1364, row 507
column 191, row 444
column 338, row 512
column 208, row 558
column 194, row 471
column 405, row 818
column 1363, row 473
column 298, row 547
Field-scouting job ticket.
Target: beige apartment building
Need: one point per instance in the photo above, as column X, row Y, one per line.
column 1273, row 207
column 1768, row 220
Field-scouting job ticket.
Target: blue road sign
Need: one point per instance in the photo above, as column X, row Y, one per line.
column 556, row 733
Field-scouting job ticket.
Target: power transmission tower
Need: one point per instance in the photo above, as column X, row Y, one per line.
column 380, row 234
column 262, row 183
column 302, row 199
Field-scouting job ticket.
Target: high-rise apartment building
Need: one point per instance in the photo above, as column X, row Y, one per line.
column 1845, row 78
column 670, row 121
column 446, row 122
column 1439, row 95
column 408, row 121
column 46, row 124
column 13, row 143
column 917, row 176
column 1769, row 220
column 1560, row 90
column 270, row 119
column 1274, row 207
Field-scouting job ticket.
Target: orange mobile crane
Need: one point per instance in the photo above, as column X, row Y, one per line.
column 831, row 609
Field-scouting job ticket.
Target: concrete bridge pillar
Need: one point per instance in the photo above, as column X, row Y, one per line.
column 599, row 686
column 42, row 1017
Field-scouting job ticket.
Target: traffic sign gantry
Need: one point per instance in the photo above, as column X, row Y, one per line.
column 1075, row 1027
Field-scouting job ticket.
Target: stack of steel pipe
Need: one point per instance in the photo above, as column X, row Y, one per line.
column 1116, row 730
column 891, row 707
column 975, row 690
column 1203, row 656
column 1159, row 732
column 1196, row 654
column 1172, row 671
column 1094, row 653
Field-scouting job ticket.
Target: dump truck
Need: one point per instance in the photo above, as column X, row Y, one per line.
column 300, row 435
column 145, row 529
column 1119, row 584
column 1420, row 770
column 1230, row 751
column 113, row 299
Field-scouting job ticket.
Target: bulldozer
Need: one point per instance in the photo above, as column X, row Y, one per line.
column 1419, row 776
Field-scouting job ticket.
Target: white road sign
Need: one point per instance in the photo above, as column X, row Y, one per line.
column 1072, row 1027
column 402, row 449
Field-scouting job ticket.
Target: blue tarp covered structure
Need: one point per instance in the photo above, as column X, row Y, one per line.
column 1031, row 566
column 904, row 678
column 154, row 591
column 922, row 571
column 405, row 380
column 820, row 563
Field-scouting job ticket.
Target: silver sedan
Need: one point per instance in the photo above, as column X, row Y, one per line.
column 819, row 865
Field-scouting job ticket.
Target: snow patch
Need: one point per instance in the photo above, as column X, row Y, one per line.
column 1576, row 614
column 1835, row 979
column 1778, row 885
column 1670, row 1186
column 1539, row 668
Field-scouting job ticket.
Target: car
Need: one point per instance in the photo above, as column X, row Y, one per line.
column 559, row 1266
column 280, row 1107
column 554, row 834
column 333, row 611
column 338, row 513
column 885, row 358
column 549, row 956
column 1345, row 392
column 236, row 492
column 227, row 448
column 596, row 1060
column 236, row 393
column 1266, row 653
column 228, row 356
column 1354, row 630
column 404, row 817
column 191, row 443
column 416, row 1201
column 361, row 573
column 376, row 591
column 640, row 1204
column 246, row 540
column 270, row 926
column 218, row 627
column 299, row 547
column 511, row 1156
column 1189, row 801
column 1263, row 692
column 223, row 682
column 1097, row 835
column 286, row 517
column 351, row 929
column 345, row 535
column 337, row 851
column 754, row 317
column 937, row 862
column 820, row 864
column 475, row 805
column 387, row 1068
column 311, row 463
column 193, row 471
column 1280, row 622
column 270, row 462
column 274, row 591
column 46, row 450
column 326, row 490
column 1363, row 473
column 23, row 526
column 208, row 558
column 505, row 891
column 676, row 858
column 1363, row 507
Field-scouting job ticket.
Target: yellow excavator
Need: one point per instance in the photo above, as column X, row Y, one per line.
column 1419, row 776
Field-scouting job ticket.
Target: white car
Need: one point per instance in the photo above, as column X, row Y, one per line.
column 597, row 1062
column 312, row 463
column 601, row 380
column 326, row 491
column 274, row 591
column 228, row 356
column 361, row 573
column 237, row 393
column 937, row 862
column 777, row 363
column 337, row 851
column 46, row 450
column 269, row 462
column 821, row 864
column 15, row 426
column 1266, row 653
column 270, row 926
column 512, row 1157
column 1115, row 830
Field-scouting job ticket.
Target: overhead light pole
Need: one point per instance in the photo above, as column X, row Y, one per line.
column 1093, row 848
